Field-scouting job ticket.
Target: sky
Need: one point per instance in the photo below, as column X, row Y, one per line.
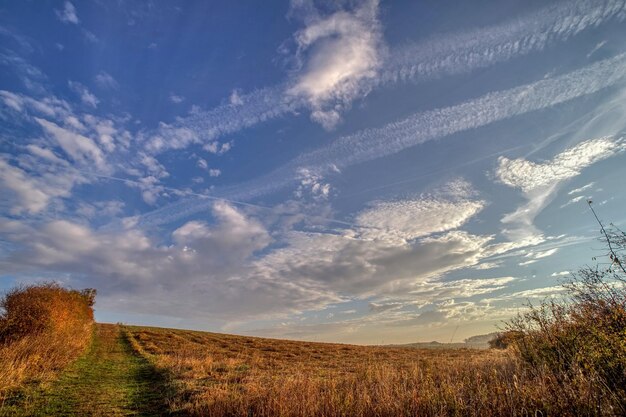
column 349, row 171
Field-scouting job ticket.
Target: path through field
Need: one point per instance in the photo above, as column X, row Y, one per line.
column 110, row 380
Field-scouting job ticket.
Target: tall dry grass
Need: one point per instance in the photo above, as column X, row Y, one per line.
column 225, row 375
column 42, row 329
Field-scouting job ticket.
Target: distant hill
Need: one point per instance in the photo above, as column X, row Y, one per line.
column 475, row 342
column 481, row 339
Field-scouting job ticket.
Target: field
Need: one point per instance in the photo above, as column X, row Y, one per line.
column 224, row 375
column 555, row 360
column 144, row 371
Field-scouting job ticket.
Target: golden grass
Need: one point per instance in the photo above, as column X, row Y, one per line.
column 225, row 375
column 42, row 329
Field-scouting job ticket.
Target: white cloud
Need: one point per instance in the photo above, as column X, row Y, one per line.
column 462, row 52
column 487, row 265
column 205, row 265
column 110, row 136
column 176, row 99
column 32, row 188
column 29, row 196
column 226, row 146
column 49, row 164
column 380, row 307
column 444, row 55
column 579, row 198
column 74, row 123
column 235, row 233
column 462, row 288
column 539, row 181
column 212, row 147
column 370, row 144
column 383, row 253
column 410, row 219
column 530, row 176
column 68, row 13
column 312, row 185
column 401, row 324
column 46, row 154
column 560, row 274
column 101, row 208
column 150, row 187
column 541, row 254
column 82, row 149
column 581, row 189
column 365, row 268
column 12, row 100
column 533, row 257
column 206, row 126
column 171, row 137
column 153, row 166
column 235, row 98
column 596, row 48
column 202, row 163
column 106, row 81
column 538, row 292
column 90, row 36
column 535, row 293
column 231, row 269
column 342, row 52
column 218, row 148
column 47, row 106
column 574, row 200
column 85, row 95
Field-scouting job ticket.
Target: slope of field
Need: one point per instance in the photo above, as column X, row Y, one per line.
column 226, row 375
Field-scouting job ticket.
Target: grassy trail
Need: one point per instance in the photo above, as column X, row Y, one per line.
column 110, row 380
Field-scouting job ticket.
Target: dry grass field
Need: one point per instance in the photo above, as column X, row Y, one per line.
column 225, row 375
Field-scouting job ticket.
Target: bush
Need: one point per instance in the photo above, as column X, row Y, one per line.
column 43, row 308
column 42, row 328
column 580, row 341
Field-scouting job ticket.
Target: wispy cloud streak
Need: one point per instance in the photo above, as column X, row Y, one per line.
column 433, row 58
column 468, row 51
column 205, row 126
column 422, row 127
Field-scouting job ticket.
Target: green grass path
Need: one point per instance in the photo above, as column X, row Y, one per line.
column 110, row 380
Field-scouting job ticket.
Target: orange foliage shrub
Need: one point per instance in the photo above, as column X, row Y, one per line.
column 42, row 328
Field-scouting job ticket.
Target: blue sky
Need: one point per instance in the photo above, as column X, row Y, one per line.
column 358, row 171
